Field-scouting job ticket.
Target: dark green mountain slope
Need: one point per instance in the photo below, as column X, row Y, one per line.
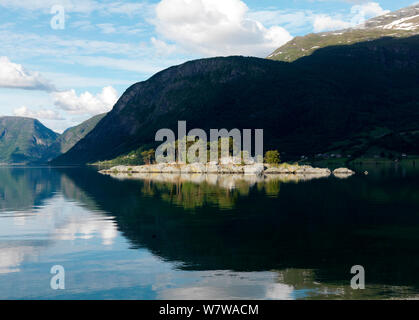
column 24, row 140
column 401, row 23
column 311, row 105
column 74, row 134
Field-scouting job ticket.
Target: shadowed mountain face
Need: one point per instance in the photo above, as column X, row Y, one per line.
column 398, row 24
column 304, row 107
column 25, row 140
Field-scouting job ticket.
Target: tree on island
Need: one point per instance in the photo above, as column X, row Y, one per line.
column 272, row 157
column 148, row 156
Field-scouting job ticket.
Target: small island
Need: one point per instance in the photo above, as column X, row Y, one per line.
column 229, row 168
column 225, row 165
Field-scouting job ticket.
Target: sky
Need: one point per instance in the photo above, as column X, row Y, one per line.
column 64, row 61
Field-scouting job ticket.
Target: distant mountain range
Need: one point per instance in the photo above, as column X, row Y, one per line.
column 352, row 92
column 74, row 134
column 397, row 24
column 26, row 140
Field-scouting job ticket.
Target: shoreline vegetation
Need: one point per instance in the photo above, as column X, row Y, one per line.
column 270, row 164
column 257, row 169
column 141, row 156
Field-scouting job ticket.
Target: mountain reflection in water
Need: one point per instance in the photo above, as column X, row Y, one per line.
column 223, row 237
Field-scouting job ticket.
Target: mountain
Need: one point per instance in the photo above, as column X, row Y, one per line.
column 72, row 135
column 24, row 140
column 397, row 24
column 340, row 97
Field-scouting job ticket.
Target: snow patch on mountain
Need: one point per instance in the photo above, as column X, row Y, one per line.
column 404, row 24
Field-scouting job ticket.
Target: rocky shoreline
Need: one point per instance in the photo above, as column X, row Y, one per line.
column 213, row 168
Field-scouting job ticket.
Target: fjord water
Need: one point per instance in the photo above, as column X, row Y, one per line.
column 127, row 238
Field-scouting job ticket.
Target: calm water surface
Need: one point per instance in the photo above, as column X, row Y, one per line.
column 208, row 238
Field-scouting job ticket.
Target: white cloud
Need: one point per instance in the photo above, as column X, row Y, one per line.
column 35, row 45
column 162, row 47
column 358, row 15
column 293, row 20
column 132, row 65
column 110, row 28
column 86, row 103
column 216, row 27
column 38, row 114
column 106, row 28
column 133, row 57
column 363, row 12
column 79, row 6
column 304, row 21
column 326, row 23
column 13, row 75
column 127, row 8
column 12, row 258
column 70, row 80
column 84, row 25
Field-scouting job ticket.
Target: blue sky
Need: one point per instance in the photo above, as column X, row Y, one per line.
column 64, row 76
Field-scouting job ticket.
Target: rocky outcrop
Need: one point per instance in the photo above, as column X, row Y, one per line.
column 343, row 173
column 256, row 169
column 296, row 169
column 215, row 168
column 190, row 168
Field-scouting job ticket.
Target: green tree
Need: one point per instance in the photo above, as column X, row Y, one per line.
column 148, row 156
column 272, row 157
